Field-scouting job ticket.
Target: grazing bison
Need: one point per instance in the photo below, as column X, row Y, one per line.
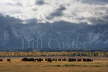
column 39, row 60
column 78, row 59
column 28, row 59
column 1, row 60
column 8, row 60
column 54, row 59
column 46, row 59
column 63, row 59
column 90, row 60
column 49, row 60
column 59, row 59
column 87, row 60
column 72, row 59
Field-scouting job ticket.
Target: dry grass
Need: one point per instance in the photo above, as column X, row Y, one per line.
column 18, row 66
column 54, row 53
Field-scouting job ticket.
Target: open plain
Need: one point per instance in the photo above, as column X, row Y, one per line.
column 98, row 65
column 12, row 62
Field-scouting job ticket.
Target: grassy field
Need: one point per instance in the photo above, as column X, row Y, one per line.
column 99, row 65
column 92, row 54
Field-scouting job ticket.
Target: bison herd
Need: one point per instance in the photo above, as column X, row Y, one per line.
column 57, row 59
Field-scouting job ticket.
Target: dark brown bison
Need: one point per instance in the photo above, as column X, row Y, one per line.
column 72, row 59
column 1, row 60
column 28, row 59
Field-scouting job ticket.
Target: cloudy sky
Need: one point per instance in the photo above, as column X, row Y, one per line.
column 75, row 23
column 43, row 11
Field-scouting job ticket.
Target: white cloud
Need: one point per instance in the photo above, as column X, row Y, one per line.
column 75, row 11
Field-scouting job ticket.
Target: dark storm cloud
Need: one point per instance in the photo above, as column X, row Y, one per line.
column 40, row 2
column 58, row 12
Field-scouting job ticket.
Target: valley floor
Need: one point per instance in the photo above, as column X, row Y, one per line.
column 99, row 65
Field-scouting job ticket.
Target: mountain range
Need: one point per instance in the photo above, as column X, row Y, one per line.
column 57, row 36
